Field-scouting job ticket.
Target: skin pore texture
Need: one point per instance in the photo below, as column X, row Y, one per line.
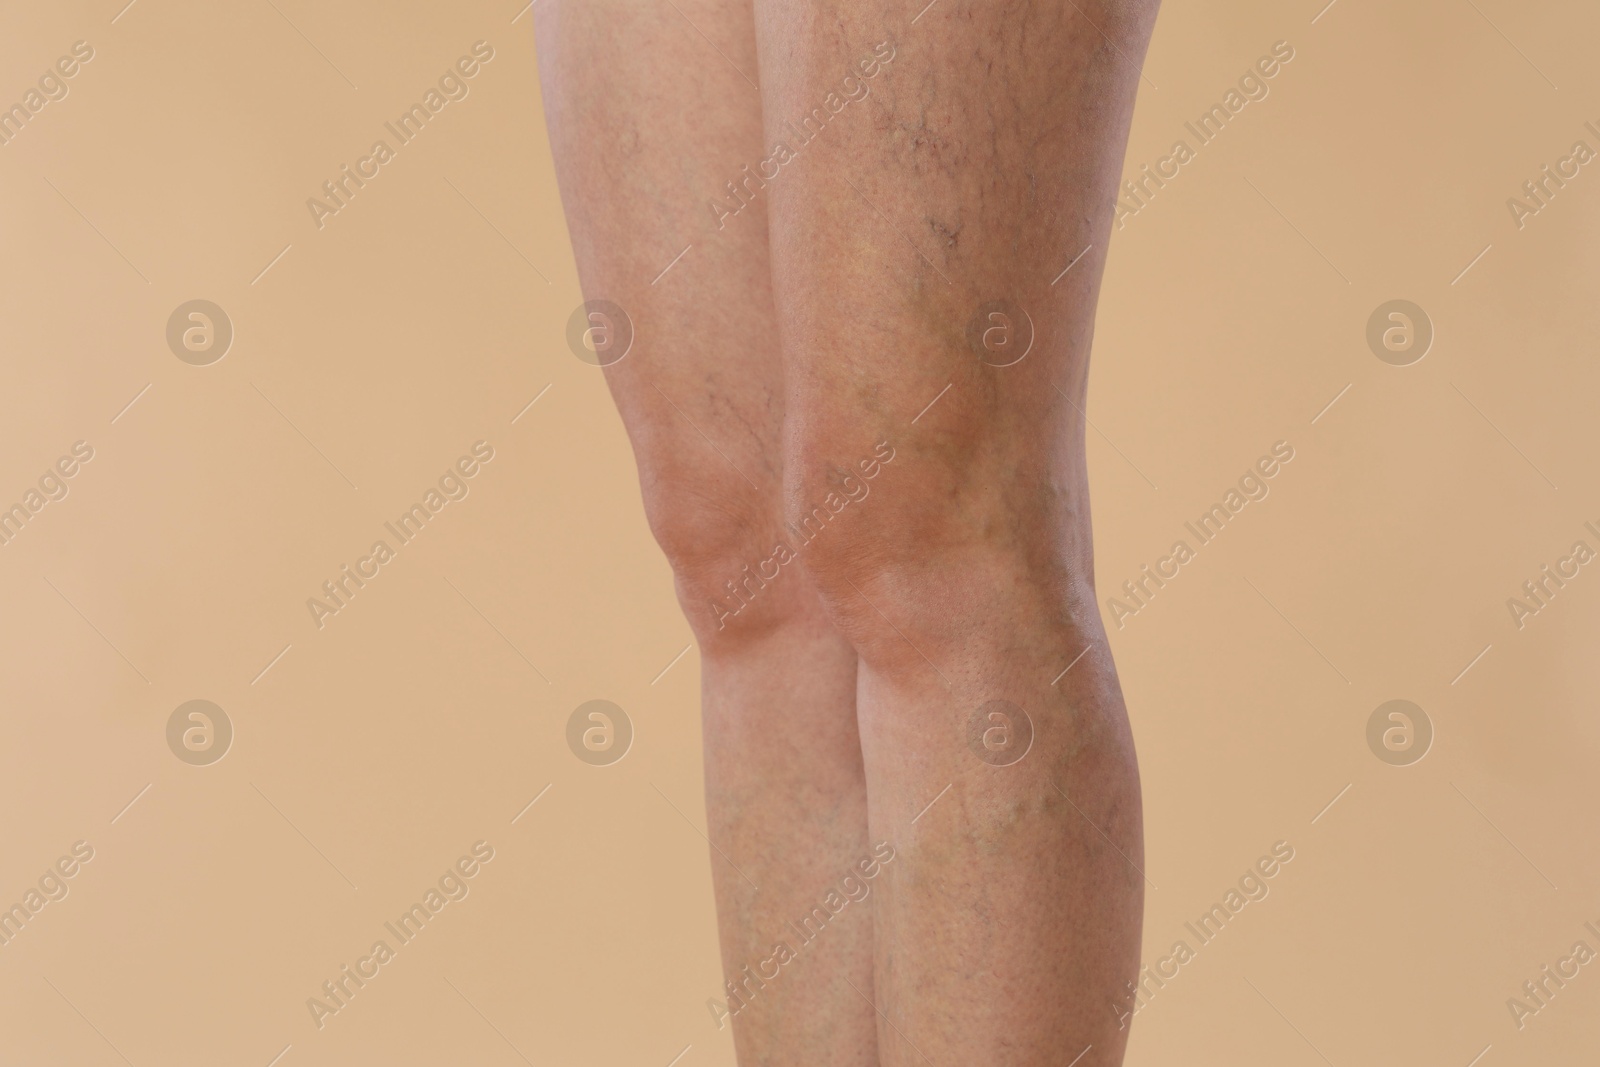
column 870, row 370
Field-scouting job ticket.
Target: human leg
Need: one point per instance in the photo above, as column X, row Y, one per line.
column 979, row 161
column 647, row 123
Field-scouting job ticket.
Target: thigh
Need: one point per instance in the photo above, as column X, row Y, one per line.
column 938, row 239
column 653, row 111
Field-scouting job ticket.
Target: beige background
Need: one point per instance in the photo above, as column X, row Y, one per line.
column 426, row 715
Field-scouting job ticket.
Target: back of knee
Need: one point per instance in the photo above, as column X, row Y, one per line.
column 720, row 541
column 876, row 560
column 937, row 556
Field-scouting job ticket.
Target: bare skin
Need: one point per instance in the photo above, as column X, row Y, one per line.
column 933, row 500
column 984, row 161
column 645, row 119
